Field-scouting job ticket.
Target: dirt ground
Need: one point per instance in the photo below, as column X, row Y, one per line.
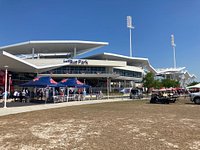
column 124, row 125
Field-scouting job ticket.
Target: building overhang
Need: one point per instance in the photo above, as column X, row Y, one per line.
column 74, row 62
column 15, row 64
column 131, row 68
column 54, row 46
column 170, row 70
column 131, row 61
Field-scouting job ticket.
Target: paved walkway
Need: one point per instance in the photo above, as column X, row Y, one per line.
column 15, row 110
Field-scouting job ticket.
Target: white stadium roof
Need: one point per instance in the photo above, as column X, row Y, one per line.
column 55, row 46
column 170, row 70
column 178, row 71
column 14, row 63
column 132, row 61
column 8, row 58
column 19, row 65
column 8, row 54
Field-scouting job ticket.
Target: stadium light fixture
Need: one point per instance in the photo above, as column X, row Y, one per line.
column 174, row 50
column 130, row 26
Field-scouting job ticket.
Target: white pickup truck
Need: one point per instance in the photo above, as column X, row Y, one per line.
column 195, row 97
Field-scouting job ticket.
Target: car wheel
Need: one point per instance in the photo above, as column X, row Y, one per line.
column 167, row 102
column 163, row 101
column 152, row 101
column 197, row 100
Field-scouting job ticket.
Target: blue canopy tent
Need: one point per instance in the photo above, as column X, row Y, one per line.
column 73, row 82
column 43, row 81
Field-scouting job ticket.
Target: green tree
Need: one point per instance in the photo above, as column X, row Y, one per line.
column 148, row 80
column 170, row 83
column 193, row 83
column 157, row 84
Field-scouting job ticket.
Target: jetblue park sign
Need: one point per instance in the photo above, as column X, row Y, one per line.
column 76, row 61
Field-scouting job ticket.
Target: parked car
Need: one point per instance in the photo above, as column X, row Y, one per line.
column 136, row 94
column 125, row 90
column 195, row 97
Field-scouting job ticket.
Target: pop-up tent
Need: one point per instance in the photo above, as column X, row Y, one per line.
column 43, row 81
column 194, row 86
column 73, row 82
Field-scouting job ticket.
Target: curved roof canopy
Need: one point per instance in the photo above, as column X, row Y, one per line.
column 19, row 65
column 131, row 61
column 170, row 70
column 56, row 46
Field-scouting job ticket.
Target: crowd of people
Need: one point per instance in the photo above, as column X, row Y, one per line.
column 46, row 94
column 50, row 94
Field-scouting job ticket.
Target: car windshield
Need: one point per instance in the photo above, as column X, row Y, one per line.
column 134, row 91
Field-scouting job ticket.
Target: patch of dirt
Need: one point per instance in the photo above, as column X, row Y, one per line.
column 120, row 125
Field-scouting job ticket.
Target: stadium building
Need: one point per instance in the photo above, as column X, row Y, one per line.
column 62, row 59
column 178, row 74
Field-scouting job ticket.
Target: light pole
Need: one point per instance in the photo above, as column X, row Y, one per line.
column 130, row 26
column 84, row 81
column 174, row 50
column 108, row 87
column 5, row 92
column 9, row 84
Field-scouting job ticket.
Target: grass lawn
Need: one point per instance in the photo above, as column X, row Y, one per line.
column 119, row 125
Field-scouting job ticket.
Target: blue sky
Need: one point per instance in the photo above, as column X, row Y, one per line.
column 105, row 21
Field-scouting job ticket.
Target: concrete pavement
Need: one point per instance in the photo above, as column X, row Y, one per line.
column 15, row 110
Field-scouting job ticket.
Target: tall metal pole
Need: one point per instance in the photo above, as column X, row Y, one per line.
column 130, row 43
column 130, row 26
column 5, row 92
column 174, row 50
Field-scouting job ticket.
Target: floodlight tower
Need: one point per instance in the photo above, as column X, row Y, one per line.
column 130, row 26
column 174, row 50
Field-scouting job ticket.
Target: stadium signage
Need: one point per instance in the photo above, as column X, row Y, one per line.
column 76, row 61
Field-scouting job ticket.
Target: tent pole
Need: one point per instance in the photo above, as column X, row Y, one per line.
column 67, row 94
column 64, row 94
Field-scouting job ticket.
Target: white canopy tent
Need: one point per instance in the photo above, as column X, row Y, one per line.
column 194, row 86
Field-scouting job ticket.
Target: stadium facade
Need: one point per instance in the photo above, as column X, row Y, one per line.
column 62, row 59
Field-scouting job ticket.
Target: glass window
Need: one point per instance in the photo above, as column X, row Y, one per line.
column 77, row 70
column 128, row 73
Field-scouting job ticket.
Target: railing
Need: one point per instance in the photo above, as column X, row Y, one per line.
column 88, row 72
column 76, row 72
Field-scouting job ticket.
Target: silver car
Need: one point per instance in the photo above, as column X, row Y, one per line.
column 195, row 97
column 136, row 94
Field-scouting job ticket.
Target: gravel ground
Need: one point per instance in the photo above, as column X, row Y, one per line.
column 118, row 125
